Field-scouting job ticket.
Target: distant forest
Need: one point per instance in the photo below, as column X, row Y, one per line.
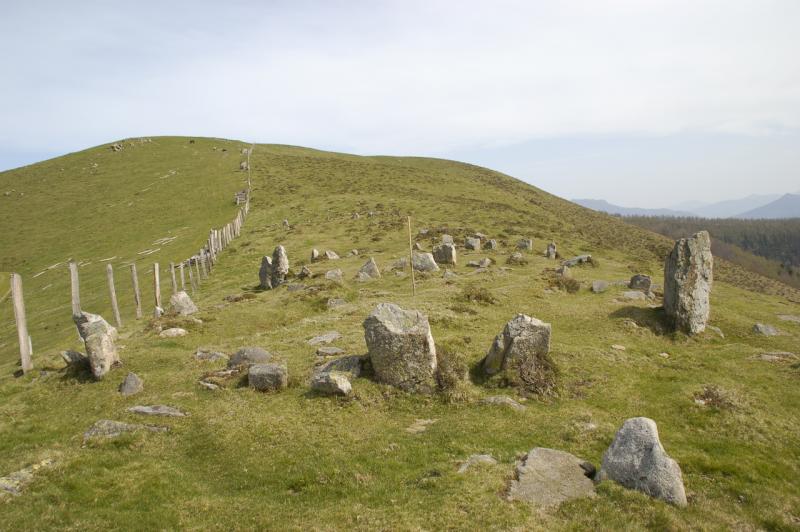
column 768, row 247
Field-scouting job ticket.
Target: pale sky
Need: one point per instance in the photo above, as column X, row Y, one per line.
column 640, row 102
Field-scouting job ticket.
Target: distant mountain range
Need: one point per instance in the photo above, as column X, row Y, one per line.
column 771, row 206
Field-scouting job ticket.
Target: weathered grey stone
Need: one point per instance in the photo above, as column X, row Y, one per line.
column 108, row 429
column 641, row 282
column 209, row 356
column 181, row 304
column 268, row 377
column 516, row 258
column 331, row 255
column 765, row 329
column 314, row 255
column 329, row 351
column 575, row 261
column 158, row 312
column 369, row 270
column 474, row 460
column 131, row 385
column 484, row 262
column 400, row 264
column 445, row 254
column 336, row 302
column 331, row 383
column 524, row 340
column 480, row 236
column 423, row 262
column 716, row 330
column 173, row 332
column 490, row 244
column 637, row 460
column 305, row 273
column 156, row 410
column 100, row 339
column 325, row 338
column 472, row 243
column 599, row 286
column 265, row 273
column 551, row 252
column 247, row 356
column 548, row 477
column 634, row 295
column 447, row 239
column 280, row 266
column 286, row 224
column 525, row 244
column 449, row 275
column 775, row 356
column 563, row 271
column 14, row 483
column 336, row 276
column 502, row 400
column 401, row 348
column 76, row 360
column 349, row 365
column 688, row 276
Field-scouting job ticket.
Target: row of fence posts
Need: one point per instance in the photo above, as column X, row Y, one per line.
column 198, row 266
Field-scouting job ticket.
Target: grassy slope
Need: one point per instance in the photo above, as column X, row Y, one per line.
column 245, row 460
column 97, row 204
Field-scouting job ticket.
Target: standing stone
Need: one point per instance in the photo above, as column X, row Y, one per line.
column 637, row 460
column 286, row 225
column 131, row 385
column 265, row 273
column 268, row 377
column 472, row 243
column 688, row 276
column 547, row 477
column 314, row 255
column 401, row 348
column 491, row 244
column 369, row 271
column 335, row 275
column 100, row 340
column 445, row 254
column 181, row 304
column 640, row 282
column 551, row 252
column 525, row 244
column 424, row 262
column 447, row 239
column 331, row 255
column 524, row 341
column 280, row 266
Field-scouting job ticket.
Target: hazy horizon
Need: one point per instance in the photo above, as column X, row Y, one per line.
column 641, row 104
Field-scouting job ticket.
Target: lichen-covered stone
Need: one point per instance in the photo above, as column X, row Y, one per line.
column 688, row 276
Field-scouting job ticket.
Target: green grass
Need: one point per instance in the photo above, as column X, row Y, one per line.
column 245, row 460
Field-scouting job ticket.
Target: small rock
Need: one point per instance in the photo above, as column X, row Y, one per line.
column 326, row 338
column 369, row 270
column 335, row 276
column 314, row 255
column 331, row 383
column 525, row 244
column 717, row 331
column 775, row 356
column 131, row 385
column 399, row 264
column 617, row 347
column 331, row 255
column 472, row 243
column 640, row 282
column 516, row 258
column 268, row 377
column 491, row 244
column 156, row 410
column 765, row 330
column 329, row 351
column 248, row 356
column 634, row 295
column 157, row 312
column 548, row 477
column 502, row 400
column 174, row 332
column 181, row 304
column 445, row 254
column 664, row 355
column 305, row 273
column 108, row 429
column 336, row 302
column 420, row 425
column 599, row 286
column 476, row 459
column 449, row 275
column 209, row 356
column 208, row 385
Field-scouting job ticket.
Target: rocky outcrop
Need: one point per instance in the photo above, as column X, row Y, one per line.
column 100, row 340
column 280, row 267
column 688, row 276
column 445, row 254
column 181, row 304
column 637, row 460
column 401, row 348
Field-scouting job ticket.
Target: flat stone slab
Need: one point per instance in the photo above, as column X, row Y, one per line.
column 174, row 332
column 14, row 483
column 548, row 477
column 476, row 459
column 107, row 429
column 775, row 356
column 209, row 356
column 420, row 425
column 329, row 351
column 502, row 400
column 326, row 338
column 156, row 410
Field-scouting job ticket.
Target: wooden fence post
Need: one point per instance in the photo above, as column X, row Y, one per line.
column 411, row 259
column 76, row 289
column 191, row 278
column 203, row 264
column 157, row 285
column 137, row 298
column 113, row 292
column 172, row 277
column 25, row 349
column 183, row 277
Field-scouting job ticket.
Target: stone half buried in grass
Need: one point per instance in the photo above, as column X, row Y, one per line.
column 521, row 354
column 268, row 377
column 548, row 477
column 401, row 348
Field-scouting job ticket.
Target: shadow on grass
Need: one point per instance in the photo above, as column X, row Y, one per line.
column 654, row 319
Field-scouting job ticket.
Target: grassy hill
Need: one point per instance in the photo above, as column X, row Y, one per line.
column 245, row 460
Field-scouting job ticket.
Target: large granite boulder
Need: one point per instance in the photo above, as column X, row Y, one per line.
column 280, row 266
column 445, row 254
column 265, row 273
column 524, row 341
column 401, row 348
column 688, row 275
column 181, row 304
column 548, row 477
column 424, row 262
column 637, row 460
column 100, row 340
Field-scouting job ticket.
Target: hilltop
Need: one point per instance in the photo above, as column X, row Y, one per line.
column 381, row 458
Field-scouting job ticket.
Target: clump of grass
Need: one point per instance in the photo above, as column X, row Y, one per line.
column 473, row 293
column 568, row 284
column 452, row 372
column 535, row 376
